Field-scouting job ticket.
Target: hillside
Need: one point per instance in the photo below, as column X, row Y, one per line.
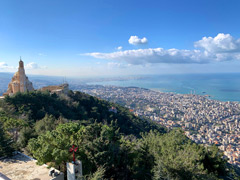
column 112, row 141
column 76, row 107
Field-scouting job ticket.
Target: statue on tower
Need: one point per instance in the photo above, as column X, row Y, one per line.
column 19, row 82
column 21, row 63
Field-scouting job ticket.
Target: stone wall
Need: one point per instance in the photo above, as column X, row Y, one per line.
column 61, row 89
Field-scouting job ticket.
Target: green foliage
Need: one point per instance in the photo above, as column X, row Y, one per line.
column 98, row 175
column 12, row 125
column 53, row 146
column 6, row 148
column 93, row 108
column 75, row 106
column 48, row 123
column 213, row 161
column 37, row 104
column 101, row 146
column 176, row 157
column 25, row 134
column 98, row 145
column 154, row 156
column 126, row 146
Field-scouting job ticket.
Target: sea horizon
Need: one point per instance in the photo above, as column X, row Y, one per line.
column 219, row 86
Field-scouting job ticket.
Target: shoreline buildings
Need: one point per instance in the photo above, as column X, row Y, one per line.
column 203, row 120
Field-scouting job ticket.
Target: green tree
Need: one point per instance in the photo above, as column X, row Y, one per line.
column 99, row 145
column 25, row 134
column 126, row 146
column 48, row 123
column 53, row 147
column 5, row 143
column 177, row 157
column 13, row 126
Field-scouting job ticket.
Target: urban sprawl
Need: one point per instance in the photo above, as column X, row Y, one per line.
column 203, row 120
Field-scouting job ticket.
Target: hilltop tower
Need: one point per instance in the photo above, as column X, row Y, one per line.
column 19, row 82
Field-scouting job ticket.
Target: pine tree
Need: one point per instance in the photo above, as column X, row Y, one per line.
column 5, row 143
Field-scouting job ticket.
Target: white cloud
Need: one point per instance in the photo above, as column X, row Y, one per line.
column 117, row 65
column 157, row 55
column 219, row 44
column 33, row 65
column 119, row 48
column 223, row 47
column 5, row 66
column 135, row 40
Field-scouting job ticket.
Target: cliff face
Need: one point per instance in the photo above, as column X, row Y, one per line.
column 20, row 82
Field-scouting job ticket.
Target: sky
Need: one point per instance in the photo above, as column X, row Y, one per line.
column 76, row 38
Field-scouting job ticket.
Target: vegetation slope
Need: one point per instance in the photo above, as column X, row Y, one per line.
column 111, row 145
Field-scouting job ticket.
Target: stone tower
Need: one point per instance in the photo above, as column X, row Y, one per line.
column 20, row 82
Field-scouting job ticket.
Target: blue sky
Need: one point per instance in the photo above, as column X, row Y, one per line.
column 105, row 37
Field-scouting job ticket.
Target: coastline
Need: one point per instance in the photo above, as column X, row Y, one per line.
column 222, row 87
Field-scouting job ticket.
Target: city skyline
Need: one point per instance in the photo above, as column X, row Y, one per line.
column 93, row 38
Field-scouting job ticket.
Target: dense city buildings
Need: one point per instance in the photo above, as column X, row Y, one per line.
column 204, row 121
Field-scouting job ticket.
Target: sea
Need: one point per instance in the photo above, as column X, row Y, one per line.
column 223, row 87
